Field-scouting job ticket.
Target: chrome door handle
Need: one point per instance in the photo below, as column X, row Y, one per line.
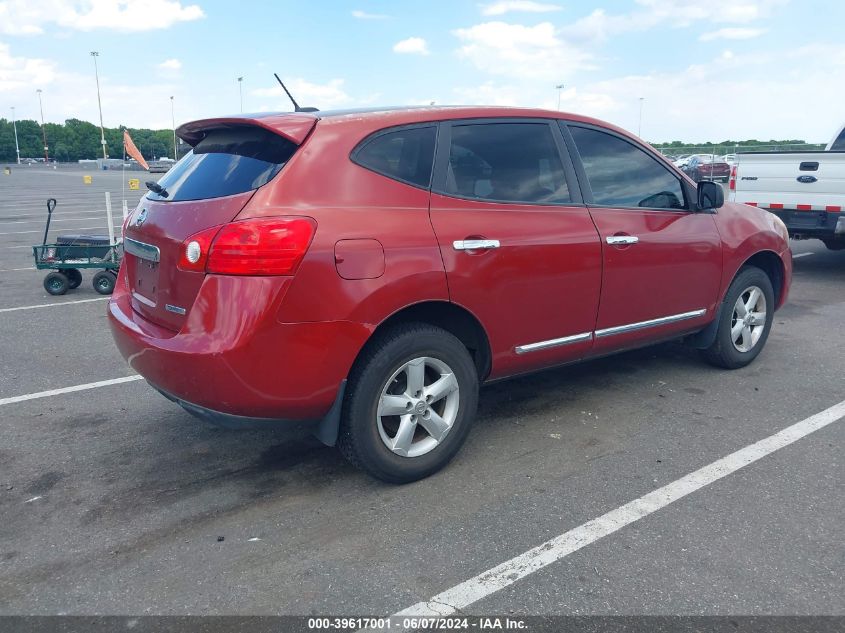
column 474, row 245
column 621, row 240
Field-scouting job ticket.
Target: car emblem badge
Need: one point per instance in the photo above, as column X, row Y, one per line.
column 142, row 217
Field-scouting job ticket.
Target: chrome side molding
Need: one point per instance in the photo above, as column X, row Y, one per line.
column 631, row 327
column 619, row 329
column 142, row 250
column 555, row 342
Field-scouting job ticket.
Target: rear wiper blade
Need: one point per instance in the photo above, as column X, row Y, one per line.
column 157, row 188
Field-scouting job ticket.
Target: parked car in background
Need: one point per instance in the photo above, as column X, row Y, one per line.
column 681, row 161
column 702, row 167
column 368, row 270
column 161, row 166
column 730, row 159
column 806, row 190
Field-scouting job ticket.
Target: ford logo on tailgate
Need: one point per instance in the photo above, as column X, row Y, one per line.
column 807, row 179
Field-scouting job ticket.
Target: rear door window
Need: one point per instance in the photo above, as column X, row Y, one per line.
column 623, row 175
column 404, row 154
column 506, row 162
column 226, row 162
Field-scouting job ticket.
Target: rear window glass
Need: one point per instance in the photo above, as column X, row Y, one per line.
column 839, row 143
column 405, row 154
column 224, row 163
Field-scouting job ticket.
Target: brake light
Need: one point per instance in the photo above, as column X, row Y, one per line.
column 193, row 254
column 732, row 183
column 260, row 246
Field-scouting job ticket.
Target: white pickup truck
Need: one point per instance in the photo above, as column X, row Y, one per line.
column 804, row 189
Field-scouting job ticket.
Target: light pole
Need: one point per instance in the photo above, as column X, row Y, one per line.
column 640, row 124
column 95, row 55
column 43, row 129
column 15, row 126
column 241, row 92
column 173, row 118
column 559, row 88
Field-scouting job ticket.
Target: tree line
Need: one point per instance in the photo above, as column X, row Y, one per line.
column 74, row 140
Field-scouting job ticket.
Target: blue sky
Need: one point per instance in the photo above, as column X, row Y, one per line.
column 706, row 70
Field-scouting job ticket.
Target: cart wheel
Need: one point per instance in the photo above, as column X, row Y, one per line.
column 74, row 277
column 104, row 282
column 56, row 283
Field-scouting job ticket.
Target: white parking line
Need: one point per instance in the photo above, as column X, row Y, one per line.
column 802, row 255
column 553, row 550
column 11, row 270
column 58, row 392
column 54, row 220
column 52, row 305
column 75, row 228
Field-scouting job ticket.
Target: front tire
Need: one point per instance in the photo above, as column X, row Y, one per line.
column 56, row 283
column 745, row 320
column 411, row 402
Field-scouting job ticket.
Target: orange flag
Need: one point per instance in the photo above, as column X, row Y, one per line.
column 129, row 148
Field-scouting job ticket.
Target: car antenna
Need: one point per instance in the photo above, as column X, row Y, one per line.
column 296, row 106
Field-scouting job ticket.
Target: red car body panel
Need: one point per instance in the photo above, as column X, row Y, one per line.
column 280, row 347
column 675, row 268
column 557, row 252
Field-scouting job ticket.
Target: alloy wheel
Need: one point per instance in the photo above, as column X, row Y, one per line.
column 418, row 406
column 749, row 319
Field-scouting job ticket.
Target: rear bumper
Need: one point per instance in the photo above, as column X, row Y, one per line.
column 817, row 224
column 326, row 428
column 232, row 361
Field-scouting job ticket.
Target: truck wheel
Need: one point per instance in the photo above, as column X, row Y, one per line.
column 745, row 320
column 835, row 245
column 411, row 401
column 56, row 283
column 74, row 277
column 104, row 282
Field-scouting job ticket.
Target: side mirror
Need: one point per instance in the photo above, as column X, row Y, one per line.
column 710, row 195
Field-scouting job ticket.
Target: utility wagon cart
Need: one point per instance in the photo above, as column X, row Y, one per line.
column 72, row 253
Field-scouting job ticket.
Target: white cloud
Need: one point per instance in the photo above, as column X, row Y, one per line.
column 521, row 51
column 323, row 96
column 747, row 82
column 23, row 73
column 527, row 6
column 30, row 17
column 600, row 25
column 363, row 15
column 732, row 33
column 170, row 64
column 412, row 45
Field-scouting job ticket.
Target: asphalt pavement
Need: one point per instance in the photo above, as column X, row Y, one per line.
column 114, row 501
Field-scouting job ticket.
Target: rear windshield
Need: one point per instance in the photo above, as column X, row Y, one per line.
column 226, row 162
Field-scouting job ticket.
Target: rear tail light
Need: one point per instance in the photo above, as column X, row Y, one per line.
column 732, row 183
column 260, row 246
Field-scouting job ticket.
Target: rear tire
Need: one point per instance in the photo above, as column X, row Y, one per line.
column 74, row 277
column 104, row 282
column 410, row 403
column 745, row 320
column 56, row 283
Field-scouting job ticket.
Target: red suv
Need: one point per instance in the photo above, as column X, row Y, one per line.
column 368, row 270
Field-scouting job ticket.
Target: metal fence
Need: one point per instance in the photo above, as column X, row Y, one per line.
column 721, row 150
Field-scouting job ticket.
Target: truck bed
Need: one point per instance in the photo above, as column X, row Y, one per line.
column 805, row 189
